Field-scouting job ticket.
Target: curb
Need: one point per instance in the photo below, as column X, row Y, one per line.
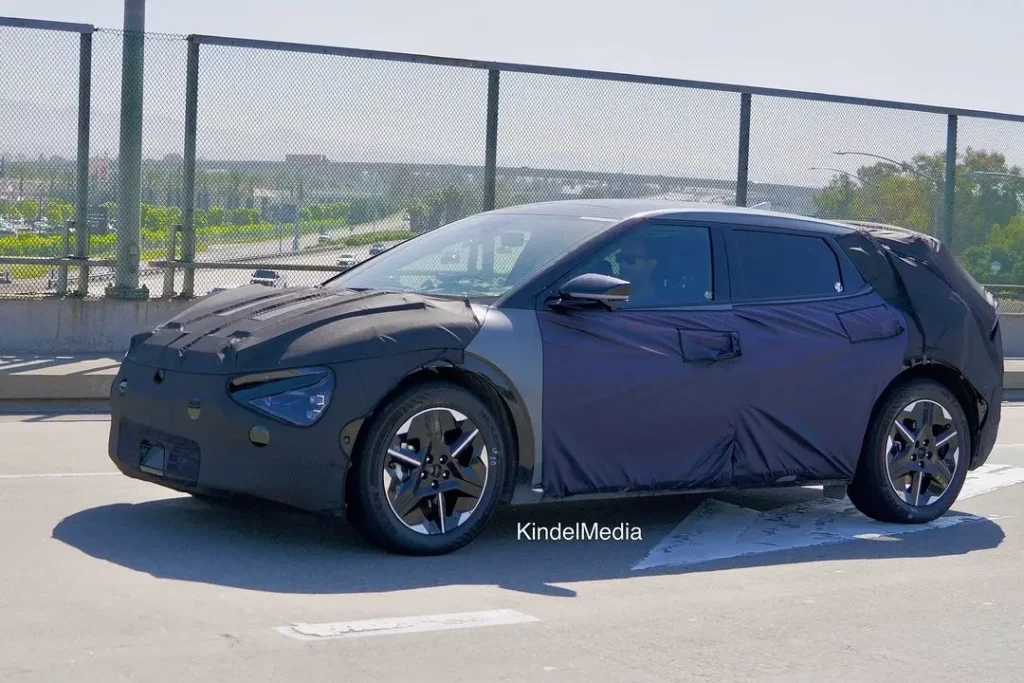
column 61, row 378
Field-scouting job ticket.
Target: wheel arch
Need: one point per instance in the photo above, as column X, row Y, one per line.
column 483, row 381
column 969, row 398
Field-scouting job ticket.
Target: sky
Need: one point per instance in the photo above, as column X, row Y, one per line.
column 949, row 52
column 942, row 52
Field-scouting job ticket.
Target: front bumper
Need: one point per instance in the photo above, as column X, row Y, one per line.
column 184, row 432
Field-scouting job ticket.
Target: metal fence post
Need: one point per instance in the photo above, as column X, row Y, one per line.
column 743, row 162
column 62, row 270
column 172, row 255
column 491, row 141
column 188, row 227
column 950, row 179
column 129, row 206
column 82, row 233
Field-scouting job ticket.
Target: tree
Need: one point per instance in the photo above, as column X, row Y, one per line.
column 28, row 208
column 915, row 198
column 57, row 212
column 216, row 215
column 242, row 216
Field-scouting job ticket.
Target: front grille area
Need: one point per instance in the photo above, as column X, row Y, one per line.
column 182, row 456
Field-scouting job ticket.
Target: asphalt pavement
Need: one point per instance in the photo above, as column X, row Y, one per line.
column 107, row 579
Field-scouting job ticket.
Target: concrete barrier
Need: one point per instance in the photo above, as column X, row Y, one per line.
column 34, row 378
column 68, row 348
column 52, row 325
column 1012, row 327
column 71, row 326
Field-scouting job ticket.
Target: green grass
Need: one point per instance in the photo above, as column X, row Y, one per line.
column 153, row 243
column 372, row 238
column 25, row 244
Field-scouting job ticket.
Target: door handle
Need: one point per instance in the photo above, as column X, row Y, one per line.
column 709, row 345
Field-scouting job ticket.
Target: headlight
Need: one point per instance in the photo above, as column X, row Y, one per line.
column 298, row 397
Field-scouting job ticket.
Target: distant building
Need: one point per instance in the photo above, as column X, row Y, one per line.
column 100, row 167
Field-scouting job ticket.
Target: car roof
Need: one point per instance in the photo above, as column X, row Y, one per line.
column 622, row 209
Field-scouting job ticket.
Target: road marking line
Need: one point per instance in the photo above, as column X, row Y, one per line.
column 717, row 530
column 58, row 474
column 396, row 625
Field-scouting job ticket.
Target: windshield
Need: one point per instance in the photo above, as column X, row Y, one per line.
column 264, row 274
column 483, row 256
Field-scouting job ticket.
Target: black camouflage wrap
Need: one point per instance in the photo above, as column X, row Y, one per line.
column 726, row 396
column 953, row 320
column 371, row 341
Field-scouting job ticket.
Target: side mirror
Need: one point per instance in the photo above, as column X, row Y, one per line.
column 591, row 289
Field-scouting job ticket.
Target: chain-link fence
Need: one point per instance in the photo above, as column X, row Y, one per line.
column 283, row 163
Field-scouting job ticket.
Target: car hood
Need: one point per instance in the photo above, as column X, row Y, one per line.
column 250, row 329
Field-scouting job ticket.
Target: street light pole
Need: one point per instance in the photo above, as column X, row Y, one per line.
column 844, row 204
column 997, row 174
column 933, row 193
column 904, row 166
column 978, row 174
column 845, row 173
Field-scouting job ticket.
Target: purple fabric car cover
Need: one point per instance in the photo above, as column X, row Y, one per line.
column 717, row 398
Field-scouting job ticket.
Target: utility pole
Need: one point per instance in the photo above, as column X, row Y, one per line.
column 300, row 195
column 126, row 277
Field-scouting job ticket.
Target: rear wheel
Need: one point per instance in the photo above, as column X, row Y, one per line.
column 428, row 473
column 915, row 457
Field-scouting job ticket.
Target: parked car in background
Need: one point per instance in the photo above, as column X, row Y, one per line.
column 378, row 248
column 629, row 346
column 347, row 260
column 5, row 277
column 268, row 278
column 323, row 238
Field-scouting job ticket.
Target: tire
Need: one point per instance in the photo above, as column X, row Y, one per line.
column 381, row 482
column 888, row 449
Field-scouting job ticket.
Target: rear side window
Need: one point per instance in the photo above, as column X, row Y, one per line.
column 781, row 266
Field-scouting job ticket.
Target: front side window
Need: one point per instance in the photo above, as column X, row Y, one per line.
column 774, row 265
column 480, row 257
column 666, row 266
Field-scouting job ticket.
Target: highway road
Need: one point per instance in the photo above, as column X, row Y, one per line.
column 105, row 579
column 278, row 250
column 206, row 280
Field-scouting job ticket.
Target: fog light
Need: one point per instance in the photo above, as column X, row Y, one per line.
column 259, row 436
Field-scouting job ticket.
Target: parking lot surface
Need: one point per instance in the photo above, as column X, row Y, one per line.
column 107, row 579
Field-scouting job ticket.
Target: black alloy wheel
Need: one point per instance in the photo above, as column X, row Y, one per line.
column 923, row 452
column 435, row 471
column 428, row 473
column 915, row 457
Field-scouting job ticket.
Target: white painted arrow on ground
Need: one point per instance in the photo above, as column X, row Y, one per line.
column 717, row 530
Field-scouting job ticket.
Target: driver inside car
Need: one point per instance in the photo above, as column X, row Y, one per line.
column 637, row 264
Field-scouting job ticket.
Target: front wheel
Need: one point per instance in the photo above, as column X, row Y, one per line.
column 428, row 474
column 915, row 456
